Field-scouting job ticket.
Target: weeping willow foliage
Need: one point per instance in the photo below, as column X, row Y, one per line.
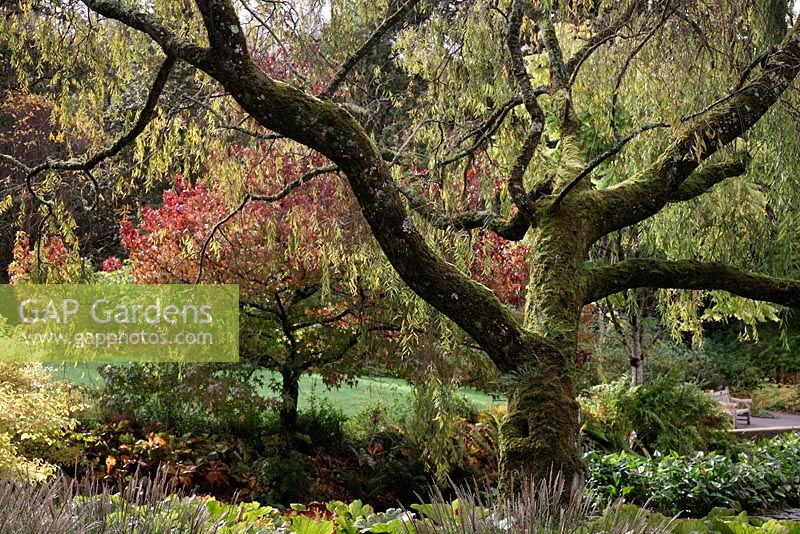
column 429, row 86
column 690, row 61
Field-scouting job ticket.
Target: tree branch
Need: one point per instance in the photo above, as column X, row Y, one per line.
column 146, row 114
column 322, row 320
column 558, row 74
column 666, row 14
column 516, row 187
column 708, row 176
column 613, row 151
column 689, row 274
column 323, row 126
column 486, row 129
column 512, row 229
column 171, row 44
column 645, row 195
column 345, row 68
column 608, row 33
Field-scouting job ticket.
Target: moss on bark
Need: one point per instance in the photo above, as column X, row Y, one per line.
column 540, row 435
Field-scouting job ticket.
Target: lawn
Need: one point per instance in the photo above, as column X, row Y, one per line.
column 350, row 400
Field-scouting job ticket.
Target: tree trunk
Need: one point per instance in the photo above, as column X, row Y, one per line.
column 637, row 372
column 540, row 435
column 290, row 393
column 636, row 354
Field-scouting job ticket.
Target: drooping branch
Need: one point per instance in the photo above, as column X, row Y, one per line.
column 327, row 128
column 234, row 127
column 145, row 116
column 85, row 165
column 321, row 320
column 283, row 193
column 606, row 34
column 646, row 194
column 170, row 43
column 334, row 356
column 345, row 68
column 666, row 14
column 487, row 128
column 689, row 274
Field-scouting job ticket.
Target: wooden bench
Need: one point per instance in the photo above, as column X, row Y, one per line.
column 734, row 406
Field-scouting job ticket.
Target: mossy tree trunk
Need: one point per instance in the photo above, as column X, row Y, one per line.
column 540, row 436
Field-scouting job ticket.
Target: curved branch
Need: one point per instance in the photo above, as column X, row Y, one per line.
column 613, row 151
column 323, row 126
column 291, row 186
column 708, row 176
column 628, row 60
column 605, row 35
column 355, row 57
column 645, row 195
column 170, row 43
column 486, row 129
column 689, row 274
column 516, row 187
column 145, row 116
column 512, row 228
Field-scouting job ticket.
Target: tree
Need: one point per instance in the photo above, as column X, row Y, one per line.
column 630, row 312
column 535, row 96
column 302, row 312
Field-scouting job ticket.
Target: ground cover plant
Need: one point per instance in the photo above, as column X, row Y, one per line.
column 143, row 506
column 146, row 506
column 754, row 478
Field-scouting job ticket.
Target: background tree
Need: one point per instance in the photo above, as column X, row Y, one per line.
column 545, row 90
column 633, row 315
column 302, row 312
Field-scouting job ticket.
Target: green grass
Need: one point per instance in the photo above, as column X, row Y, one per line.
column 350, row 400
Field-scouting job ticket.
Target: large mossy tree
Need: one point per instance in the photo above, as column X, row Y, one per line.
column 589, row 118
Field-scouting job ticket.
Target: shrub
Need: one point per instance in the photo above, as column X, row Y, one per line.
column 323, row 425
column 667, row 414
column 377, row 418
column 435, row 427
column 776, row 397
column 36, row 414
column 765, row 477
column 185, row 398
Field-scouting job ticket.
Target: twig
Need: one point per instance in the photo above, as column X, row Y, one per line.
column 261, row 198
column 355, row 57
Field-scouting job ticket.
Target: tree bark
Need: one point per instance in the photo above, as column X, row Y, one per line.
column 290, row 394
column 636, row 353
column 540, row 435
